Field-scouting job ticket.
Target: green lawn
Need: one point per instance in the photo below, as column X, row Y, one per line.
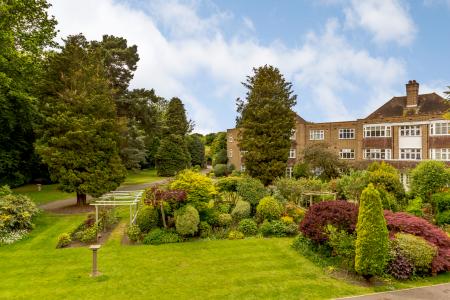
column 141, row 177
column 48, row 193
column 243, row 269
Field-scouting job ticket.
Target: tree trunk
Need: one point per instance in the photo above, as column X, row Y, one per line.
column 81, row 199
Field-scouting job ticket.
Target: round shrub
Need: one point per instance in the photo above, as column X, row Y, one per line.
column 199, row 188
column 220, row 170
column 235, row 235
column 16, row 211
column 147, row 218
column 224, row 220
column 248, row 227
column 429, row 177
column 64, row 240
column 251, row 190
column 278, row 228
column 416, row 250
column 205, row 229
column 265, row 228
column 186, row 220
column 443, row 218
column 340, row 214
column 134, row 233
column 228, row 184
column 241, row 211
column 441, row 202
column 291, row 229
column 400, row 268
column 268, row 209
column 160, row 236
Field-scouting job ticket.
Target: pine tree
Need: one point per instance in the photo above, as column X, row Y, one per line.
column 372, row 241
column 196, row 150
column 79, row 137
column 176, row 121
column 172, row 156
column 266, row 121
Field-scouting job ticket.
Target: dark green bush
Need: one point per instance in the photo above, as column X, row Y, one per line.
column 228, row 184
column 134, row 233
column 147, row 218
column 251, row 190
column 204, row 229
column 441, row 201
column 220, row 170
column 248, row 227
column 278, row 228
column 64, row 240
column 343, row 245
column 301, row 170
column 443, row 218
column 268, row 209
column 160, row 236
column 241, row 211
column 265, row 228
column 186, row 220
column 416, row 250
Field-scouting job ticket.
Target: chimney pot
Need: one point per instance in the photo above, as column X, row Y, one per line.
column 412, row 93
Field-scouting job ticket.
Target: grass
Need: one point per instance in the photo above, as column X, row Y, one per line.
column 141, row 177
column 243, row 269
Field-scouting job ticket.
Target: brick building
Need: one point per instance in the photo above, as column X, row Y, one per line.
column 403, row 131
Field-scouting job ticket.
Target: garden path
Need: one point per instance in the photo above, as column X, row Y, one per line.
column 435, row 292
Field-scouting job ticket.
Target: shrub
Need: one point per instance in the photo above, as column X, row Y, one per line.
column 278, row 228
column 388, row 181
column 416, row 250
column 388, row 200
column 241, row 211
column 291, row 229
column 204, row 229
column 235, row 235
column 441, row 202
column 248, row 227
column 251, row 190
column 287, row 220
column 224, row 207
column 403, row 222
column 199, row 188
column 107, row 219
column 160, row 236
column 210, row 215
column 443, row 218
column 147, row 218
column 352, row 185
column 399, row 267
column 372, row 244
column 301, row 170
column 220, row 170
column 429, row 177
column 227, row 184
column 64, row 240
column 16, row 211
column 295, row 212
column 231, row 197
column 268, row 209
column 134, row 233
column 89, row 235
column 415, row 207
column 289, row 188
column 343, row 245
column 186, row 220
column 9, row 237
column 225, row 220
column 340, row 214
column 265, row 228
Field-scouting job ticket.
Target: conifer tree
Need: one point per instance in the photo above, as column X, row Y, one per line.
column 176, row 121
column 196, row 150
column 266, row 121
column 372, row 241
column 172, row 155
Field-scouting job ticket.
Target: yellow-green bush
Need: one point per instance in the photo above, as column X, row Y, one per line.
column 187, row 220
column 416, row 250
column 268, row 209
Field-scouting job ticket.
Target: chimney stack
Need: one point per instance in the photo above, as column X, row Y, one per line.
column 412, row 93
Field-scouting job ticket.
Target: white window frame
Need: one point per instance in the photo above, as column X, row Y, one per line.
column 243, row 168
column 442, row 154
column 230, row 139
column 230, row 153
column 440, row 128
column 292, row 153
column 410, row 130
column 347, row 154
column 410, row 153
column 377, row 131
column 289, row 172
column 316, row 134
column 243, row 152
column 377, row 154
column 346, row 133
column 293, row 135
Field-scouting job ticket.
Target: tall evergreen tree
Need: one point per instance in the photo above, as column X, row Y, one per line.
column 79, row 139
column 196, row 150
column 176, row 121
column 26, row 30
column 266, row 121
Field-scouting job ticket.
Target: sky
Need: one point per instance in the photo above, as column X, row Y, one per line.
column 345, row 58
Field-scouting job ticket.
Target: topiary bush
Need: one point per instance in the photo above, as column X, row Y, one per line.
column 187, row 220
column 147, row 218
column 251, row 190
column 340, row 214
column 228, row 184
column 64, row 240
column 248, row 227
column 160, row 236
column 416, row 250
column 372, row 243
column 241, row 211
column 235, row 235
column 220, row 170
column 225, row 220
column 268, row 209
column 134, row 233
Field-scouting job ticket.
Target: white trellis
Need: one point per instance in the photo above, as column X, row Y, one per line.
column 120, row 198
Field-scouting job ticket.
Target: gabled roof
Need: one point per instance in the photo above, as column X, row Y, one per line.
column 427, row 104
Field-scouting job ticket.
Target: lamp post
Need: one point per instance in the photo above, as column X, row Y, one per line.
column 94, row 249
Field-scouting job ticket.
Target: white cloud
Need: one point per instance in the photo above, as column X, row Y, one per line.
column 179, row 49
column 387, row 20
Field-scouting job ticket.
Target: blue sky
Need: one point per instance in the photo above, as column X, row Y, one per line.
column 344, row 57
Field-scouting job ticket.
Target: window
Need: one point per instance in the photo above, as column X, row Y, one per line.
column 316, row 135
column 289, row 171
column 230, row 153
column 347, row 154
column 291, row 153
column 410, row 130
column 377, row 153
column 377, row 131
column 242, row 168
column 411, row 153
column 243, row 152
column 440, row 128
column 346, row 133
column 404, row 179
column 293, row 134
column 230, row 139
column 440, row 154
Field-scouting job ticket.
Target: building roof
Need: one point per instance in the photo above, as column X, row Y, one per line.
column 427, row 104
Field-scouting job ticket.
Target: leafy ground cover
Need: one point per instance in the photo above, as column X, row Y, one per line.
column 250, row 269
column 141, row 177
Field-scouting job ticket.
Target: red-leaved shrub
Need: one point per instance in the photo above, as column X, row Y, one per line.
column 403, row 222
column 341, row 214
